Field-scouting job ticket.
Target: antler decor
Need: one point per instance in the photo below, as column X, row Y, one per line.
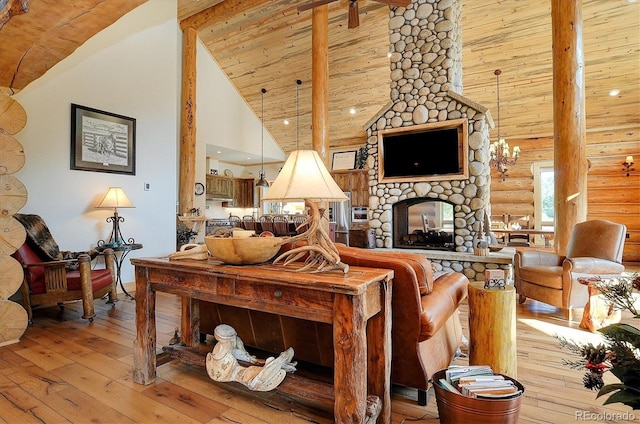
column 320, row 250
column 305, row 177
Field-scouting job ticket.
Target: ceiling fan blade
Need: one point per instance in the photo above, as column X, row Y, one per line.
column 313, row 4
column 354, row 19
column 403, row 3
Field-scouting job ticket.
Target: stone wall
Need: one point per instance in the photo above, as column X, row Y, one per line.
column 426, row 79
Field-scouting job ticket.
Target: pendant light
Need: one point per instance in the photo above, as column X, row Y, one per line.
column 499, row 155
column 262, row 182
column 298, row 84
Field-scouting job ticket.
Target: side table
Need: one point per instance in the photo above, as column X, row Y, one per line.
column 492, row 328
column 124, row 250
column 598, row 313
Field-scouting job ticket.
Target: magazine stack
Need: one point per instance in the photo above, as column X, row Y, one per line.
column 478, row 381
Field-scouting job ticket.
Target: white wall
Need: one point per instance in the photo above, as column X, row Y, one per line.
column 224, row 118
column 131, row 68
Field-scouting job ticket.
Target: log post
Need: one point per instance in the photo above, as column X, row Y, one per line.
column 13, row 322
column 188, row 121
column 320, row 87
column 569, row 120
column 320, row 84
column 492, row 328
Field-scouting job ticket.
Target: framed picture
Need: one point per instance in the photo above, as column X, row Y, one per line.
column 344, row 160
column 102, row 141
column 359, row 214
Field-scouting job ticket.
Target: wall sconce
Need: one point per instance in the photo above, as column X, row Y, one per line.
column 628, row 163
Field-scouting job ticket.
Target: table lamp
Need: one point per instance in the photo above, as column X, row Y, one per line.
column 115, row 198
column 305, row 177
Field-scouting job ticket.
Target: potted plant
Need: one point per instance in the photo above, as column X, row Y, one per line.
column 620, row 351
column 184, row 234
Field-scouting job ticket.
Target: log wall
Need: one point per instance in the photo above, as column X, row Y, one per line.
column 611, row 194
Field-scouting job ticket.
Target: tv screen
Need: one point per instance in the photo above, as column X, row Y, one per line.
column 423, row 152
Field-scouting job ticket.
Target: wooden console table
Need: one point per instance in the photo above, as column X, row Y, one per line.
column 357, row 304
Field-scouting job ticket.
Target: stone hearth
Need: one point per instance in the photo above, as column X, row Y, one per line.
column 426, row 79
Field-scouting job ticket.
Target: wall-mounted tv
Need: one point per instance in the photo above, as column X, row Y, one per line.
column 428, row 152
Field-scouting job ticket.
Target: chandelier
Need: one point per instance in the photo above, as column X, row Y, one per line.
column 499, row 154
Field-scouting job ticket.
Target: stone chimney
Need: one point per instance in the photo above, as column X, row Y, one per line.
column 426, row 86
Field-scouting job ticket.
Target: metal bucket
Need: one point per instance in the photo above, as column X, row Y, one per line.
column 455, row 408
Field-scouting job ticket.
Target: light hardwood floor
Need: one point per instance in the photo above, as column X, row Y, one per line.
column 66, row 369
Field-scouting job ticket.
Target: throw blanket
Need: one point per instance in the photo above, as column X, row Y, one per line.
column 40, row 238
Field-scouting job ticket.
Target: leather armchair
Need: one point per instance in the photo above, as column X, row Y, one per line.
column 595, row 249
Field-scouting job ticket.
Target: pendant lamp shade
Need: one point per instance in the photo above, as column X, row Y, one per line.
column 304, row 176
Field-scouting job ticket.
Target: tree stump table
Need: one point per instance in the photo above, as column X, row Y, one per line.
column 598, row 313
column 492, row 328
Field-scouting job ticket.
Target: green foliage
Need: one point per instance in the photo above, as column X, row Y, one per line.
column 184, row 234
column 620, row 352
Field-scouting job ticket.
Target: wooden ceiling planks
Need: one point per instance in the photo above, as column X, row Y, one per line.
column 267, row 43
column 495, row 34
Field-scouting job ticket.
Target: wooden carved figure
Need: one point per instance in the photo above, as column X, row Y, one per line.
column 223, row 363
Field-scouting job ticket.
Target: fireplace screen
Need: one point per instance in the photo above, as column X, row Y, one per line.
column 424, row 224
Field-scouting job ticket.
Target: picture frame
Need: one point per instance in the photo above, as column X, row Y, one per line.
column 359, row 214
column 102, row 141
column 344, row 160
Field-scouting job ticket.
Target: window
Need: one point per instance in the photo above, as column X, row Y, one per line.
column 543, row 183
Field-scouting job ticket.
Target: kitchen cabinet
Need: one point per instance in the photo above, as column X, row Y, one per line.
column 219, row 188
column 355, row 181
column 243, row 190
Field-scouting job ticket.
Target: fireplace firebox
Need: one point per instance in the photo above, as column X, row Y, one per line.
column 424, row 223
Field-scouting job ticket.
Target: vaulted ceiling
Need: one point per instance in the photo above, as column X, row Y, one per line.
column 267, row 44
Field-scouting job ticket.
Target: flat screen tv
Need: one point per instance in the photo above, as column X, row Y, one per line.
column 427, row 152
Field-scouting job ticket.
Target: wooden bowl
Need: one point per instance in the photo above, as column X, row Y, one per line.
column 243, row 251
column 496, row 247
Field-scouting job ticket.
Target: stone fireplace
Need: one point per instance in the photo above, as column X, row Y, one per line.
column 423, row 223
column 426, row 82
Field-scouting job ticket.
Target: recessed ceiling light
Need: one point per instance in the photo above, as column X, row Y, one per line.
column 352, row 111
column 286, row 122
column 614, row 92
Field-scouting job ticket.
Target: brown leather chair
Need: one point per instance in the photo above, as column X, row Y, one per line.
column 594, row 249
column 52, row 277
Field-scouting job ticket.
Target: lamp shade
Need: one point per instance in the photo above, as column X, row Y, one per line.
column 115, row 198
column 304, row 176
